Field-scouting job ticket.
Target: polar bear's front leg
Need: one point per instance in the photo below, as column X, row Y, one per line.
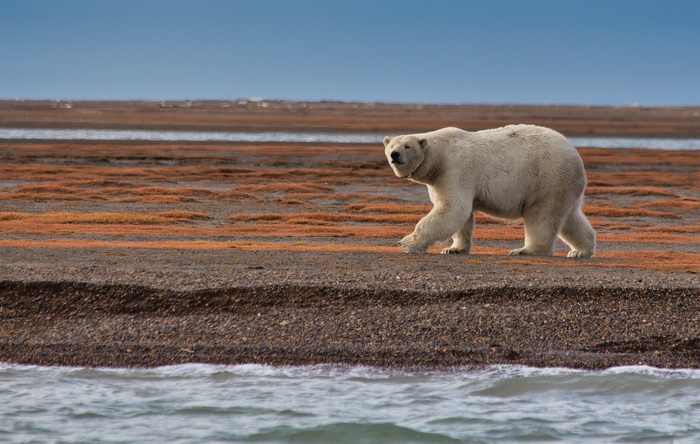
column 438, row 225
column 462, row 240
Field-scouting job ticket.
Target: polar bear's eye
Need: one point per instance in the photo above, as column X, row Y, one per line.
column 407, row 146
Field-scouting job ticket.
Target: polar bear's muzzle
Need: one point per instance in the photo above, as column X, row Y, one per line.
column 396, row 158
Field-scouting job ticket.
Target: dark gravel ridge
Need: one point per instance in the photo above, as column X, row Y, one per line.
column 77, row 323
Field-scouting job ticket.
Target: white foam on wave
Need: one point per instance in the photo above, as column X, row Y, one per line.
column 654, row 371
column 525, row 371
column 346, row 371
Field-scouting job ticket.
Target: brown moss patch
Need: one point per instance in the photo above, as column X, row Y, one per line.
column 641, row 178
column 102, row 218
column 610, row 211
column 596, row 157
column 656, row 260
column 649, row 237
column 282, row 188
column 326, row 217
column 683, row 203
column 629, row 191
column 388, row 208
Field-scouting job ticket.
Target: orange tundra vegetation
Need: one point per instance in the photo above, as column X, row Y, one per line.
column 277, row 196
column 164, row 217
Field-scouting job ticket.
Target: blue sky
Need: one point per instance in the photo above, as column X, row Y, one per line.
column 590, row 52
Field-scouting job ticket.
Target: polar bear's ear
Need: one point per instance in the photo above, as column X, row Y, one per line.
column 387, row 139
column 423, row 143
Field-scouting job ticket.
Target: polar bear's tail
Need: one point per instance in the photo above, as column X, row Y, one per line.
column 578, row 234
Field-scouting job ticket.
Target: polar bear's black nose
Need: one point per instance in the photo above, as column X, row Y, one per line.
column 395, row 156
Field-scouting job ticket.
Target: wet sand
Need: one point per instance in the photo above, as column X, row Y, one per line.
column 128, row 254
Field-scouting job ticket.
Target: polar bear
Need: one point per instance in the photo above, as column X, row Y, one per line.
column 511, row 172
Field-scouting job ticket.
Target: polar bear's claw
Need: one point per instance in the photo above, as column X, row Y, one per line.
column 409, row 245
column 528, row 252
column 580, row 254
column 452, row 250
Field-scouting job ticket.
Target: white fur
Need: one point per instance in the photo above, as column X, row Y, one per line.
column 510, row 172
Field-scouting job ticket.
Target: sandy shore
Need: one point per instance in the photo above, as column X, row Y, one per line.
column 118, row 254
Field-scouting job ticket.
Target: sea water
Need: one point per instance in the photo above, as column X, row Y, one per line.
column 197, row 403
column 192, row 136
column 213, row 136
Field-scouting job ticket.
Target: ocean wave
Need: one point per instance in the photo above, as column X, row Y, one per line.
column 330, row 403
column 351, row 371
column 351, row 433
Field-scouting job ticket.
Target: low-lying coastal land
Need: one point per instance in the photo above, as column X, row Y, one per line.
column 128, row 253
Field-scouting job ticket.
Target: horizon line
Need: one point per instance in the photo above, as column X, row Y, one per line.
column 339, row 101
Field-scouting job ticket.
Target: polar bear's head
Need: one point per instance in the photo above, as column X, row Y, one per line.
column 405, row 153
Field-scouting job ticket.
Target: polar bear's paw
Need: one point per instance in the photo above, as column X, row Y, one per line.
column 528, row 252
column 454, row 250
column 410, row 245
column 580, row 254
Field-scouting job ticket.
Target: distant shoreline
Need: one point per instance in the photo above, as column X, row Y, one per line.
column 346, row 117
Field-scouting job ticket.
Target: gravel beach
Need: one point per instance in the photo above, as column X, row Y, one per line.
column 125, row 254
column 154, row 307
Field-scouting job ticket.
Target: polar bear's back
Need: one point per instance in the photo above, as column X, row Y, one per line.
column 525, row 145
column 526, row 140
column 520, row 163
column 512, row 157
column 524, row 137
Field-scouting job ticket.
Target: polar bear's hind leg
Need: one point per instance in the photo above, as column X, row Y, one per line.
column 578, row 234
column 541, row 228
column 539, row 240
